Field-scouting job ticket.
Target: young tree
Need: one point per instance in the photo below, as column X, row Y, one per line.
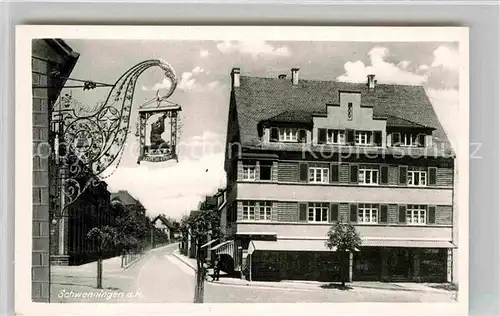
column 105, row 237
column 201, row 226
column 345, row 238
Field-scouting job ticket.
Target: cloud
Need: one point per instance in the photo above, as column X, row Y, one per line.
column 253, row 48
column 171, row 188
column 197, row 70
column 423, row 68
column 165, row 84
column 385, row 72
column 187, row 81
column 446, row 57
column 204, row 53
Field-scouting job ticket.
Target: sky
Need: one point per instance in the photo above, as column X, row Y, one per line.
column 203, row 73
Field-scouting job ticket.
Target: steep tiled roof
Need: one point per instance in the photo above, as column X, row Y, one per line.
column 258, row 99
column 165, row 221
column 124, row 197
column 292, row 116
column 394, row 121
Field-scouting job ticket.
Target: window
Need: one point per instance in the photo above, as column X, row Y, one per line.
column 288, row 134
column 416, row 176
column 336, row 137
column 408, row 139
column 248, row 210
column 318, row 212
column 349, row 111
column 318, row 174
column 249, row 171
column 266, row 170
column 368, row 213
column 416, row 214
column 368, row 175
column 265, row 211
column 363, row 138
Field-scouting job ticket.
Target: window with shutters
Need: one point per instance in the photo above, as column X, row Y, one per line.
column 416, row 176
column 265, row 208
column 336, row 137
column 318, row 175
column 408, row 139
column 318, row 212
column 368, row 213
column 368, row 174
column 249, row 169
column 248, row 210
column 416, row 214
column 288, row 134
column 363, row 138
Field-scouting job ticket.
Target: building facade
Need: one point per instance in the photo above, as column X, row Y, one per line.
column 48, row 55
column 70, row 244
column 304, row 154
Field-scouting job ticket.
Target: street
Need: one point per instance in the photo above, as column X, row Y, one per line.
column 160, row 277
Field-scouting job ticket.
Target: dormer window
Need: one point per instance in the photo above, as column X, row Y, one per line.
column 408, row 139
column 288, row 134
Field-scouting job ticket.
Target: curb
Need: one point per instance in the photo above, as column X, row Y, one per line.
column 132, row 263
column 249, row 284
column 181, row 259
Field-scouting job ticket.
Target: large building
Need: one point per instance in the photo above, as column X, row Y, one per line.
column 304, row 154
column 48, row 55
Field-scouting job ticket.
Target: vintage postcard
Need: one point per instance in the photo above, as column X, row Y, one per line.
column 165, row 167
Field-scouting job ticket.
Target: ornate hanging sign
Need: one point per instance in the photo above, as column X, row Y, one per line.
column 89, row 142
column 153, row 124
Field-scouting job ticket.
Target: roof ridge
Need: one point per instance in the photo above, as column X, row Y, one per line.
column 334, row 81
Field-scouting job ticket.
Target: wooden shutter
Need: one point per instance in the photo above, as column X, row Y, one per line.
column 334, row 173
column 432, row 176
column 383, row 213
column 431, row 215
column 349, row 136
column 303, row 212
column 384, row 175
column 353, row 173
column 274, row 134
column 354, row 213
column 377, row 138
column 321, row 135
column 334, row 212
column 302, row 136
column 403, row 170
column 421, row 140
column 402, row 213
column 396, row 139
column 303, row 172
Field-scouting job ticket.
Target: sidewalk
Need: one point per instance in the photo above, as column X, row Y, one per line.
column 315, row 285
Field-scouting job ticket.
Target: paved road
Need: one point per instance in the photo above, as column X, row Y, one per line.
column 162, row 278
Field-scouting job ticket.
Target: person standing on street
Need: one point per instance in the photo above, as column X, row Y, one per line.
column 217, row 266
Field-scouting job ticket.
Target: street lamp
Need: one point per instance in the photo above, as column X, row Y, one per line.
column 88, row 145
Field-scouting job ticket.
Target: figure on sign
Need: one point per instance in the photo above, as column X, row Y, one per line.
column 157, row 129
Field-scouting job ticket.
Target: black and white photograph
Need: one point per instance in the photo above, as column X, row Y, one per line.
column 287, row 166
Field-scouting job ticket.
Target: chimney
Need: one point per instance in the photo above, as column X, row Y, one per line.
column 235, row 77
column 295, row 76
column 371, row 82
